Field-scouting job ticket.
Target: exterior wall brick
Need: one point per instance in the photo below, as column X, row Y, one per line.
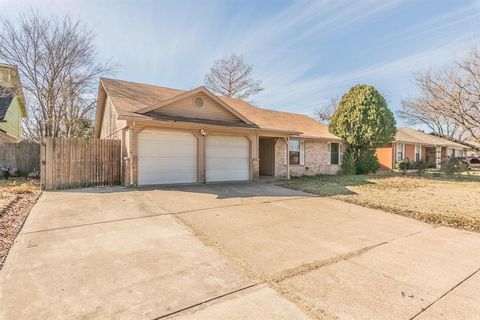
column 316, row 160
column 410, row 152
column 385, row 156
column 280, row 163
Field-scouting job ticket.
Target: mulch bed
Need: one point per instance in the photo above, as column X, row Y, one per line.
column 12, row 217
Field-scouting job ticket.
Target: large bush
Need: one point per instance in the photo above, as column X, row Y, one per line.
column 366, row 162
column 454, row 165
column 365, row 122
column 348, row 163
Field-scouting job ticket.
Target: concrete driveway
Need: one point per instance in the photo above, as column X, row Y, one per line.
column 236, row 251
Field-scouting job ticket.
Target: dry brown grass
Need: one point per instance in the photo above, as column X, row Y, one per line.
column 18, row 186
column 451, row 202
column 20, row 195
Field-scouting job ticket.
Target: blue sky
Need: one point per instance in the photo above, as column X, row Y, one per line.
column 305, row 52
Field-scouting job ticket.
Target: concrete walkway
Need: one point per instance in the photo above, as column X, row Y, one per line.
column 237, row 251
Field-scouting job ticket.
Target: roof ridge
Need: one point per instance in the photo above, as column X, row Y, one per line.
column 270, row 110
column 145, row 84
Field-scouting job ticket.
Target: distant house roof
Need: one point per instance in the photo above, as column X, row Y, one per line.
column 6, row 97
column 14, row 89
column 129, row 98
column 410, row 135
column 472, row 143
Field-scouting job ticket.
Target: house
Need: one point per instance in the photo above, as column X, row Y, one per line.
column 415, row 145
column 193, row 136
column 12, row 104
column 473, row 147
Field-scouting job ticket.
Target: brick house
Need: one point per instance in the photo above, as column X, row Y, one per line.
column 415, row 145
column 193, row 136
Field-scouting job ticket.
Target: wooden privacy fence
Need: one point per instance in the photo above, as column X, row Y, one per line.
column 23, row 156
column 76, row 163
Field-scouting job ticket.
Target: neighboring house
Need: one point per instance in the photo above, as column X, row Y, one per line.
column 473, row 147
column 415, row 145
column 12, row 104
column 193, row 136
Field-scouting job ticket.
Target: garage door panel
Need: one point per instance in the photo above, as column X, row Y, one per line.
column 166, row 157
column 227, row 158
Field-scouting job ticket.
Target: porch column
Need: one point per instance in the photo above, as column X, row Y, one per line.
column 287, row 158
column 254, row 157
column 201, row 136
column 438, row 157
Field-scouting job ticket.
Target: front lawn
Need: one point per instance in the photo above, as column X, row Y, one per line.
column 450, row 201
column 17, row 197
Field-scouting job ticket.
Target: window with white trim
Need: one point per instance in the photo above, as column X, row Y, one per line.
column 450, row 152
column 296, row 152
column 400, row 147
column 334, row 153
column 418, row 153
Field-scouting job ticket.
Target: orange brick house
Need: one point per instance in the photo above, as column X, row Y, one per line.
column 416, row 145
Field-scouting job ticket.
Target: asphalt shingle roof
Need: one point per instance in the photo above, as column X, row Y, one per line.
column 410, row 135
column 130, row 97
column 6, row 97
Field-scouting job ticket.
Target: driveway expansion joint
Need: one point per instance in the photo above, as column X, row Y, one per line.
column 308, row 267
column 167, row 213
column 445, row 294
column 206, row 301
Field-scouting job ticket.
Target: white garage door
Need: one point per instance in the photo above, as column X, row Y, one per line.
column 166, row 157
column 227, row 158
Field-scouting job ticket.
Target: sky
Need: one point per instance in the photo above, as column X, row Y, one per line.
column 305, row 52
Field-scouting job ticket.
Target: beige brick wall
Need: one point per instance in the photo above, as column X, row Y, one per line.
column 316, row 160
column 280, row 159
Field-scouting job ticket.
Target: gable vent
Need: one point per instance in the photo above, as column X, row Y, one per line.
column 198, row 102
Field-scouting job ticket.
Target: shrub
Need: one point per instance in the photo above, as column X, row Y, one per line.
column 402, row 165
column 454, row 165
column 367, row 162
column 348, row 163
column 421, row 167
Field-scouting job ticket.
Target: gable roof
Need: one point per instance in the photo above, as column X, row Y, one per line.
column 6, row 97
column 191, row 93
column 136, row 100
column 410, row 135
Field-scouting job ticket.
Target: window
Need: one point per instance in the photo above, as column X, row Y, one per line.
column 296, row 152
column 399, row 151
column 418, row 153
column 334, row 153
column 450, row 153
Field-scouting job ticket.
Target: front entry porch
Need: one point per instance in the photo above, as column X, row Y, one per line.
column 266, row 151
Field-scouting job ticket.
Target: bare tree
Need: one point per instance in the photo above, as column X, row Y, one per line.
column 56, row 60
column 423, row 110
column 231, row 77
column 326, row 112
column 449, row 99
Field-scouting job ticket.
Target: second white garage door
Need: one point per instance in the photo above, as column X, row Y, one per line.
column 227, row 158
column 166, row 157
